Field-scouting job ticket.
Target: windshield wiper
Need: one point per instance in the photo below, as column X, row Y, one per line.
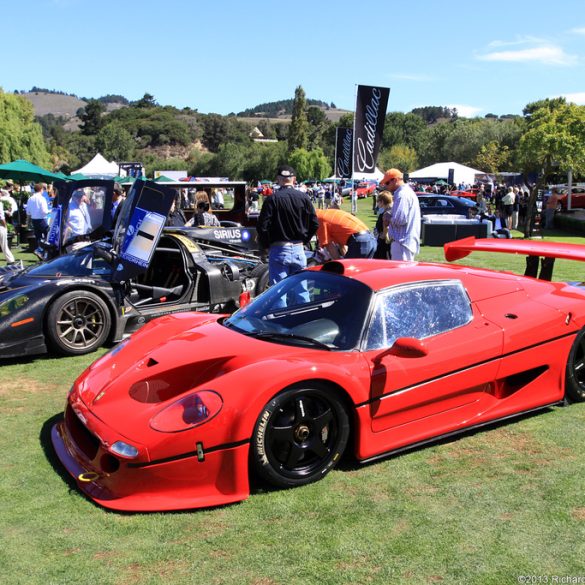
column 288, row 337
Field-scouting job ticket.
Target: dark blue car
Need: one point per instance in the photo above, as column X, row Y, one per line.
column 445, row 204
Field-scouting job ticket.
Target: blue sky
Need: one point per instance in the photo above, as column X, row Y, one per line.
column 226, row 55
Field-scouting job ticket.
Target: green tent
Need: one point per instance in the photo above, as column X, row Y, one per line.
column 23, row 171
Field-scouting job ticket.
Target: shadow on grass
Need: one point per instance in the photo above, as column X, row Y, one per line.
column 257, row 485
column 349, row 463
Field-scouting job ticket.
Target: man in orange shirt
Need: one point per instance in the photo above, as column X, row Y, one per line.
column 344, row 235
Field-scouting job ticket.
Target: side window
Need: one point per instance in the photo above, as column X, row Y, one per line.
column 421, row 310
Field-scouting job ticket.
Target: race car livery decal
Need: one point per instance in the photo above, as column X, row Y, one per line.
column 141, row 237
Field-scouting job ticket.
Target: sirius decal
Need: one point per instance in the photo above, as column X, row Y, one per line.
column 227, row 234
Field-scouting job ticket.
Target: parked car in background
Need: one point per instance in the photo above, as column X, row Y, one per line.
column 75, row 303
column 365, row 189
column 445, row 204
column 577, row 199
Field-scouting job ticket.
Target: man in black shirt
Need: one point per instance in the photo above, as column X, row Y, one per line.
column 287, row 221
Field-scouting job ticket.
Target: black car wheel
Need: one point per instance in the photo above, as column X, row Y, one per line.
column 78, row 322
column 299, row 436
column 575, row 378
column 260, row 273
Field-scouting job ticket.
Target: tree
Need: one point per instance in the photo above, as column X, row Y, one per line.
column 492, row 157
column 317, row 125
column 554, row 140
column 146, row 101
column 91, row 118
column 405, row 129
column 115, row 143
column 400, row 157
column 20, row 135
column 298, row 132
column 310, row 164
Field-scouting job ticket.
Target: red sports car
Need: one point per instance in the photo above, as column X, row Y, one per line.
column 391, row 354
column 365, row 189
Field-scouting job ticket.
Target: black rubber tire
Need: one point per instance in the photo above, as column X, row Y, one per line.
column 299, row 436
column 260, row 273
column 78, row 322
column 575, row 373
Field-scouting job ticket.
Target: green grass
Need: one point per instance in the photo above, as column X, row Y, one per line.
column 481, row 509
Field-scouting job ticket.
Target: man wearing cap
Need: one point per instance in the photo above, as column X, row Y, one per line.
column 287, row 222
column 404, row 224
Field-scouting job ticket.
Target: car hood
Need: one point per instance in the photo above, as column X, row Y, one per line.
column 164, row 360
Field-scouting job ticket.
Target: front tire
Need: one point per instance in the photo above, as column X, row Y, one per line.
column 78, row 322
column 575, row 374
column 299, row 436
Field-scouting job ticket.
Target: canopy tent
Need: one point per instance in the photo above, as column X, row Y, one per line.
column 99, row 167
column 461, row 173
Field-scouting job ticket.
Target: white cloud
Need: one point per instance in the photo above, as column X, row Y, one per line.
column 545, row 54
column 576, row 98
column 465, row 111
column 578, row 30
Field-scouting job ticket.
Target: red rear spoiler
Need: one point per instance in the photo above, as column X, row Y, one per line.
column 462, row 248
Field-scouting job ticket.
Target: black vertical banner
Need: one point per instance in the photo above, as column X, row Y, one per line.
column 343, row 152
column 370, row 114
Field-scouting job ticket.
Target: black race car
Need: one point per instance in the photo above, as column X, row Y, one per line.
column 107, row 289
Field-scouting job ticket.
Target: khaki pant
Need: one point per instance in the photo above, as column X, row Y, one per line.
column 4, row 244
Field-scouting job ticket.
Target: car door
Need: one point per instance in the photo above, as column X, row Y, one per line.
column 100, row 193
column 433, row 358
column 139, row 227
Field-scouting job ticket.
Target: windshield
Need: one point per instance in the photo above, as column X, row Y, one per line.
column 313, row 309
column 80, row 263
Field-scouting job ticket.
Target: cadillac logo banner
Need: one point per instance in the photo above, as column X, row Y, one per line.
column 370, row 114
column 343, row 152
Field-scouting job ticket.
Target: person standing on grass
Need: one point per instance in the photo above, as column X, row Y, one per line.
column 287, row 222
column 4, row 247
column 550, row 209
column 404, row 224
column 38, row 210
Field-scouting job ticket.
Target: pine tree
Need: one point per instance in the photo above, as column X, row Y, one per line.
column 298, row 133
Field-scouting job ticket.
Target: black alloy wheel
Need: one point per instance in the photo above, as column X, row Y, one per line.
column 299, row 436
column 575, row 374
column 78, row 322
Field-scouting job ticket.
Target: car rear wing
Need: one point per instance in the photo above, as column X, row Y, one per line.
column 532, row 249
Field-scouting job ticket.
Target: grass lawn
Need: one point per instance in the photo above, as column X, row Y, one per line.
column 485, row 508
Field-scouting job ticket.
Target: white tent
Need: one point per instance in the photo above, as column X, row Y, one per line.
column 98, row 166
column 461, row 173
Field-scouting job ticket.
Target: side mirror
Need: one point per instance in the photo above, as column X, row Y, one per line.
column 407, row 347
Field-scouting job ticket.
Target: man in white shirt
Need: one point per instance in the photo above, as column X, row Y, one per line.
column 4, row 247
column 38, row 209
column 78, row 225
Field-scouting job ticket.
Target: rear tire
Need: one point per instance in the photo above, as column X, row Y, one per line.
column 299, row 436
column 78, row 322
column 575, row 373
column 260, row 273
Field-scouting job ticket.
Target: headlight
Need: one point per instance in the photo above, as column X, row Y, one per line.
column 188, row 412
column 12, row 305
column 124, row 450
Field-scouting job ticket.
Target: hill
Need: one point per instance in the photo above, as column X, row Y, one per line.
column 61, row 105
column 66, row 106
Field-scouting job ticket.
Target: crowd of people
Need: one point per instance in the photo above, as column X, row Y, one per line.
column 291, row 216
